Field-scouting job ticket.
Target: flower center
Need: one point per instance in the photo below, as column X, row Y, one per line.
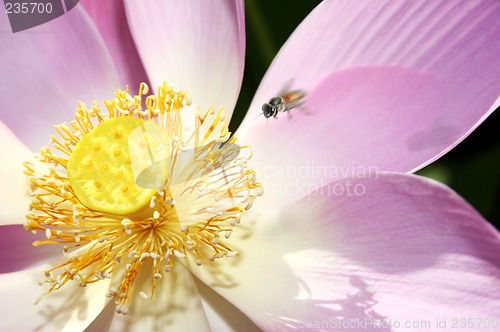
column 153, row 181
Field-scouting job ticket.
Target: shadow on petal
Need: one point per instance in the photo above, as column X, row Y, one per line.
column 176, row 304
column 394, row 247
column 72, row 308
column 221, row 313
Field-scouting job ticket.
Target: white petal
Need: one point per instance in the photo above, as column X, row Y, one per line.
column 222, row 315
column 176, row 306
column 72, row 308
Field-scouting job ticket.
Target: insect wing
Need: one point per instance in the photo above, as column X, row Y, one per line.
column 293, row 96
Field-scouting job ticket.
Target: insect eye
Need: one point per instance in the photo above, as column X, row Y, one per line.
column 267, row 110
column 275, row 101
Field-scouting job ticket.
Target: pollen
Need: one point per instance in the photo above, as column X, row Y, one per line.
column 149, row 181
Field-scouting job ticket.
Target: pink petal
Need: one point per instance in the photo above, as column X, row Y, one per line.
column 176, row 306
column 110, row 19
column 17, row 252
column 72, row 308
column 47, row 69
column 14, row 200
column 392, row 85
column 196, row 46
column 397, row 247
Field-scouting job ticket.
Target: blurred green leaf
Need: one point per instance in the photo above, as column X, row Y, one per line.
column 478, row 180
column 437, row 171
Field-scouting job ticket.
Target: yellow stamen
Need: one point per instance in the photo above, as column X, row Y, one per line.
column 133, row 186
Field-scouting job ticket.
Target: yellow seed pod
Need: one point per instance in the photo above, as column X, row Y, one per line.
column 100, row 170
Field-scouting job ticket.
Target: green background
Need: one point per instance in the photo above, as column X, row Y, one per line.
column 472, row 168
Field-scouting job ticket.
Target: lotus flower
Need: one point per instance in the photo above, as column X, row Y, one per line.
column 343, row 238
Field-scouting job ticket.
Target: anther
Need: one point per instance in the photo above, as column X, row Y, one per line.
column 152, row 202
column 168, row 254
column 124, row 310
column 179, row 254
column 37, row 300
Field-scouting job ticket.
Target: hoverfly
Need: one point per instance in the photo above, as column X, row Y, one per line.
column 284, row 102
